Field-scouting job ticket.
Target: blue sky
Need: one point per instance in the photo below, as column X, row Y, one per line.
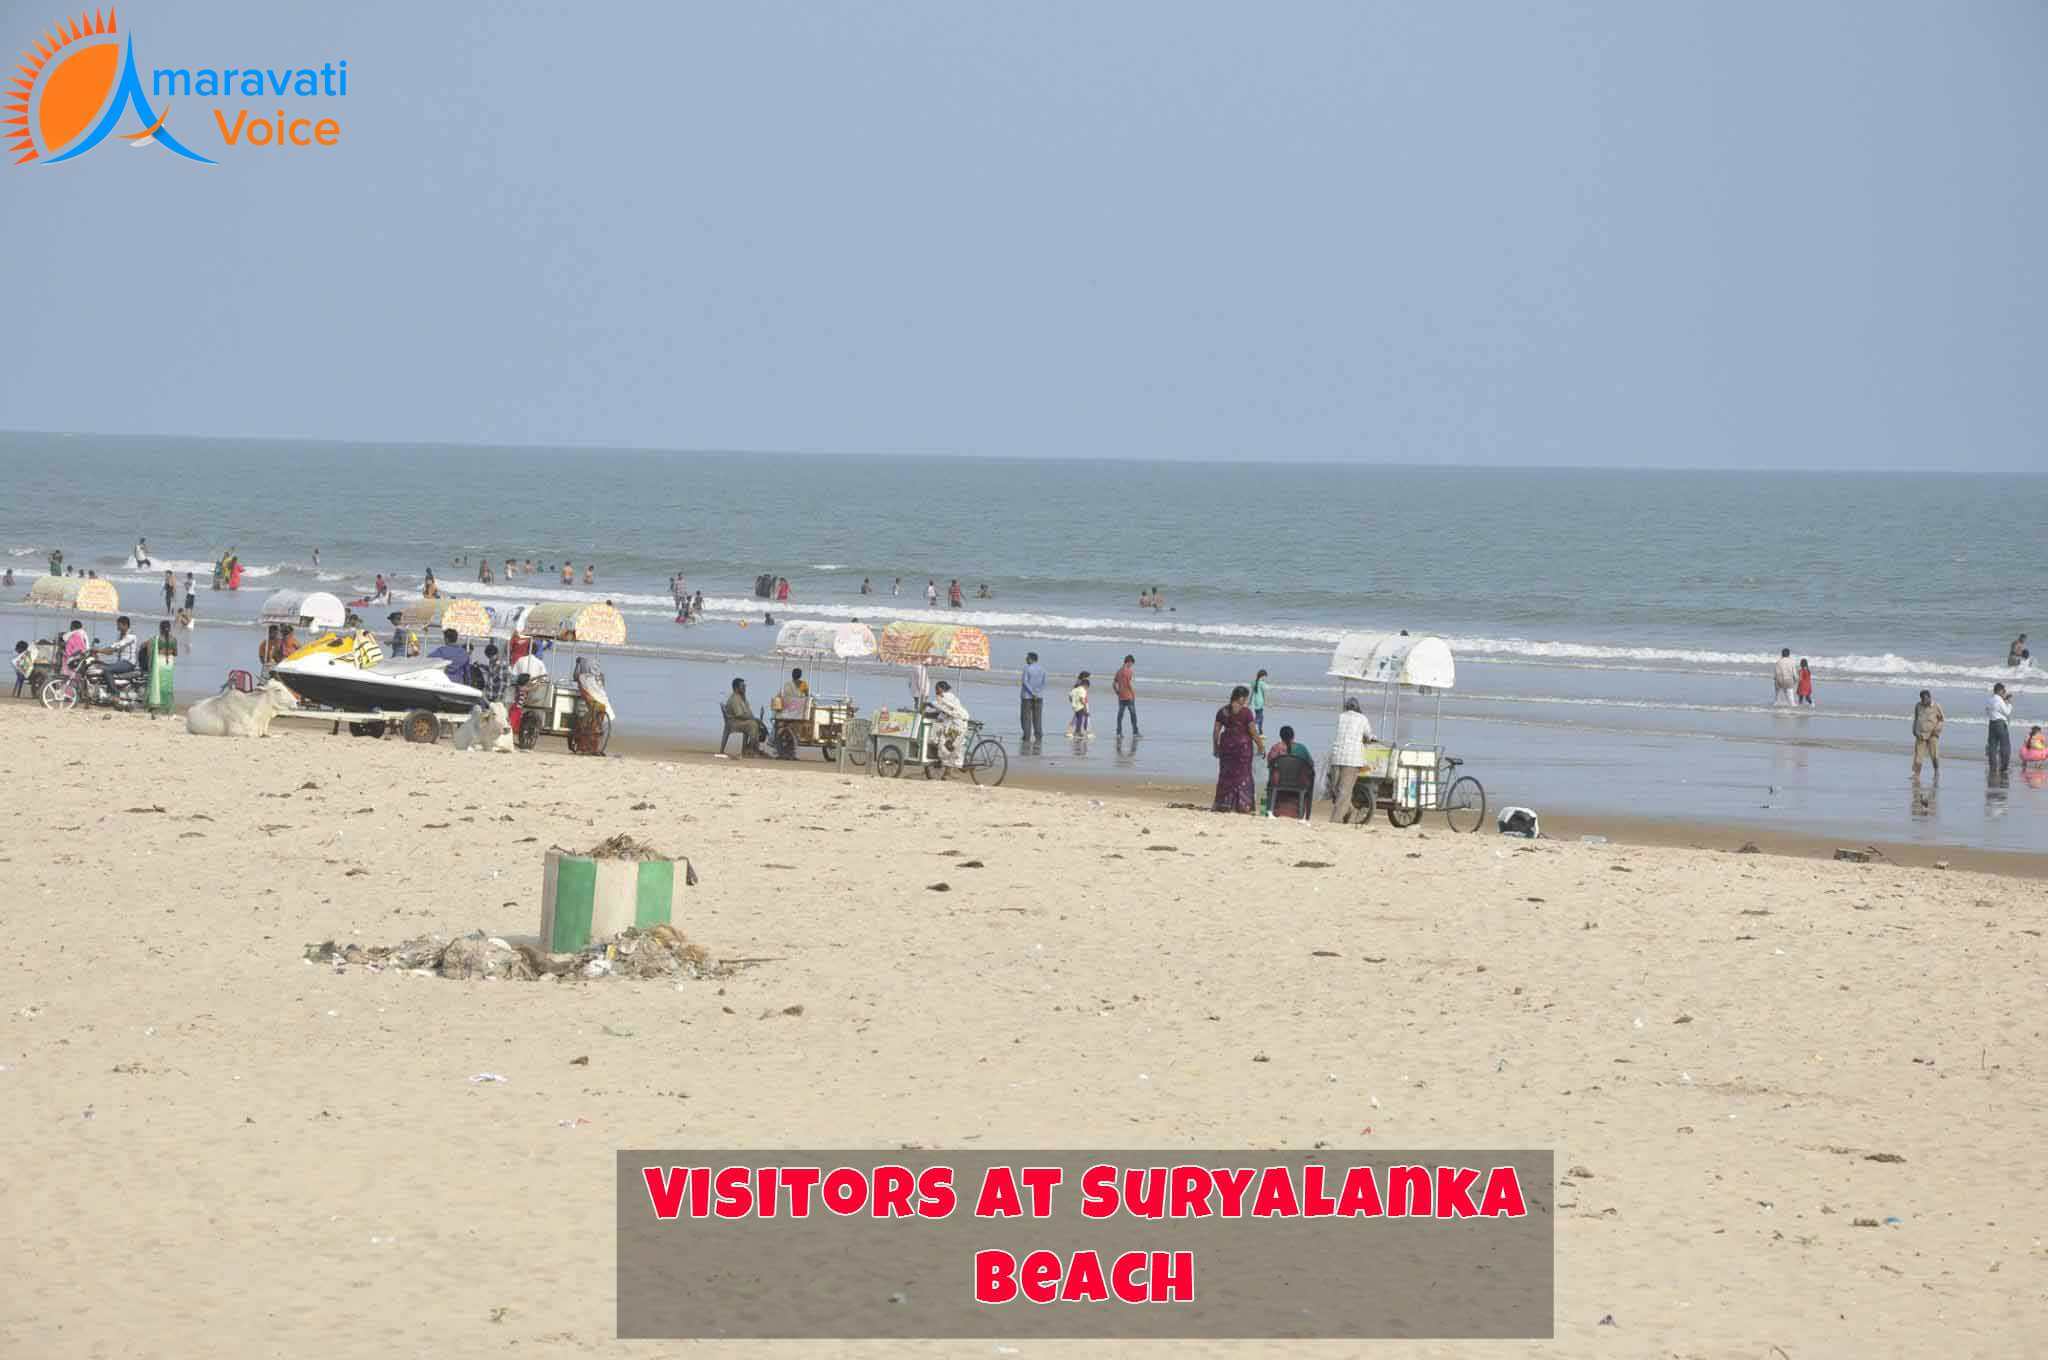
column 1710, row 235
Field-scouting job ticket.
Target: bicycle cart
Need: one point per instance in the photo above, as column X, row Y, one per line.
column 1407, row 778
column 806, row 720
column 575, row 707
column 897, row 738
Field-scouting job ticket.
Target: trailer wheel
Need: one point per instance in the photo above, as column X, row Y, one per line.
column 422, row 727
column 366, row 729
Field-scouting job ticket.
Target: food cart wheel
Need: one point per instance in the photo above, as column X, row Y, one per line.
column 422, row 727
column 1402, row 816
column 1465, row 804
column 529, row 731
column 785, row 742
column 988, row 762
column 1364, row 794
column 366, row 729
column 889, row 762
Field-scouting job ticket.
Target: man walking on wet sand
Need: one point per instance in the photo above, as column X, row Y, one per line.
column 1927, row 721
column 1126, row 697
column 1784, row 676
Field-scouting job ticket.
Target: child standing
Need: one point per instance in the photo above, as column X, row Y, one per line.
column 1805, row 687
column 25, row 660
column 1078, row 697
column 191, row 600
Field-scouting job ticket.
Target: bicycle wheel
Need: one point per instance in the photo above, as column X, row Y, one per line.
column 889, row 763
column 988, row 762
column 60, row 695
column 1465, row 804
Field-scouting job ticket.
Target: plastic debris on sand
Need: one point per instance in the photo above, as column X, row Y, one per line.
column 658, row 951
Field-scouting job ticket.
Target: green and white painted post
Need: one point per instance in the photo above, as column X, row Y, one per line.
column 583, row 899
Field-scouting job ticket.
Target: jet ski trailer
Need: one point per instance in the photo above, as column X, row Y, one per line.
column 411, row 694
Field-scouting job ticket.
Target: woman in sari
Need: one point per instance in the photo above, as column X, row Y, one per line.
column 1236, row 743
column 163, row 658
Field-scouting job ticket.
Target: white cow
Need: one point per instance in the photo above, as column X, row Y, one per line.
column 232, row 713
column 487, row 728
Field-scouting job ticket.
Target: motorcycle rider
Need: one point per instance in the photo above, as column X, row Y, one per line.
column 120, row 654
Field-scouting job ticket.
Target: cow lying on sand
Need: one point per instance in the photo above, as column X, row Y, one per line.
column 487, row 728
column 232, row 713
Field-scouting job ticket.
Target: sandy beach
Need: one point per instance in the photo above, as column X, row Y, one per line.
column 217, row 1147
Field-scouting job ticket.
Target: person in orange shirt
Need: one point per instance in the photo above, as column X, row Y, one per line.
column 1126, row 697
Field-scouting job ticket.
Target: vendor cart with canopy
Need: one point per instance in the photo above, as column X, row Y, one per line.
column 1407, row 778
column 806, row 719
column 313, row 611
column 897, row 738
column 576, row 706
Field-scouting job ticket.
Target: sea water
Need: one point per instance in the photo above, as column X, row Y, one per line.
column 1614, row 631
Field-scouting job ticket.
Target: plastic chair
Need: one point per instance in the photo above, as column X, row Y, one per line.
column 1291, row 775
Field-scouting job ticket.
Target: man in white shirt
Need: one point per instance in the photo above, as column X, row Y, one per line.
column 1347, row 755
column 1998, row 732
column 1784, row 676
column 120, row 655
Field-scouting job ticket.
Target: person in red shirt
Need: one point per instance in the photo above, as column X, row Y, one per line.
column 1126, row 697
column 1805, row 687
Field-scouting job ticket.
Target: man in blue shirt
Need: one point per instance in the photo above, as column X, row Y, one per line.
column 1031, row 699
column 455, row 654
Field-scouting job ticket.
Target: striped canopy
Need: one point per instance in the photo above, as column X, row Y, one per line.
column 467, row 617
column 935, row 644
column 570, row 621
column 825, row 641
column 85, row 594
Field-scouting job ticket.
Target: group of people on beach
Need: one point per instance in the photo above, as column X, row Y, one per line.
column 1033, row 682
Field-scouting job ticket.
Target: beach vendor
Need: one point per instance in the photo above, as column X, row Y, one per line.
column 952, row 718
column 160, row 663
column 1347, row 757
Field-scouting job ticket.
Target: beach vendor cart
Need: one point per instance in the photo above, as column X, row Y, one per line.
column 808, row 720
column 1407, row 778
column 897, row 738
column 575, row 706
column 71, row 595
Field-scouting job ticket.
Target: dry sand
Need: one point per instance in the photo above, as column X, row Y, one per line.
column 215, row 1148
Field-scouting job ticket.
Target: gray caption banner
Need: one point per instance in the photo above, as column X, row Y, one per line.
column 1410, row 1276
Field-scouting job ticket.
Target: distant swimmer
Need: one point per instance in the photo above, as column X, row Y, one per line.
column 568, row 574
column 2016, row 651
column 897, row 589
column 142, row 553
column 1804, row 689
column 931, row 593
column 984, row 593
column 867, row 587
column 589, row 573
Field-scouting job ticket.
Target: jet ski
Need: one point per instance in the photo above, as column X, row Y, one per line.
column 333, row 679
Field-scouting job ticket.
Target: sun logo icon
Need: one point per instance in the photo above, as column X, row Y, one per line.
column 71, row 89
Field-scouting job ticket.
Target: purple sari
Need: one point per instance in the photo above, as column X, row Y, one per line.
column 1235, row 752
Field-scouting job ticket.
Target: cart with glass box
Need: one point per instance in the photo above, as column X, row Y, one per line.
column 1407, row 778
column 897, row 737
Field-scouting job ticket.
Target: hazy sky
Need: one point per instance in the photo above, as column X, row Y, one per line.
column 1715, row 234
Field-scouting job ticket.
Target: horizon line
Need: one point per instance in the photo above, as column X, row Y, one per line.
column 1225, row 461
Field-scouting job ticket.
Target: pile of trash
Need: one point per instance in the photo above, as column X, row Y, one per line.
column 635, row 952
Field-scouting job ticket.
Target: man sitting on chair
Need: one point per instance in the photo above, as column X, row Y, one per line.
column 739, row 715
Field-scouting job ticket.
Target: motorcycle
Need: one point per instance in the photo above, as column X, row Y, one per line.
column 85, row 678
